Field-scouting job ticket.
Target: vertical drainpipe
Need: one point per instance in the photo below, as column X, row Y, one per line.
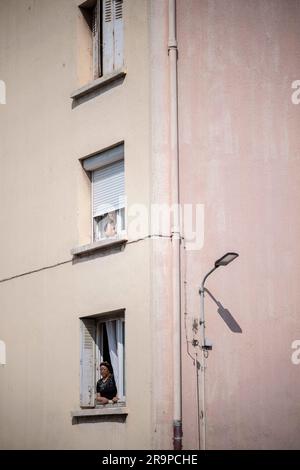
column 176, row 232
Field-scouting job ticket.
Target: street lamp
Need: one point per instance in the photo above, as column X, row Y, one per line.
column 223, row 261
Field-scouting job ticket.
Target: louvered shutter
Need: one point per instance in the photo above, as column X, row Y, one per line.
column 87, row 363
column 108, row 188
column 118, row 34
column 108, row 36
column 95, row 35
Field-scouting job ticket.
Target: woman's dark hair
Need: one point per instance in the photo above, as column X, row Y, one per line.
column 108, row 365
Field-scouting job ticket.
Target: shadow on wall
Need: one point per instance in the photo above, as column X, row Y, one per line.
column 226, row 315
column 97, row 92
column 97, row 419
column 98, row 254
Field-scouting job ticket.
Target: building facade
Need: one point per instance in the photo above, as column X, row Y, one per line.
column 116, row 111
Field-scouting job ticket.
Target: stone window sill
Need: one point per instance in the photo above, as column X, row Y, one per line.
column 101, row 410
column 98, row 83
column 100, row 245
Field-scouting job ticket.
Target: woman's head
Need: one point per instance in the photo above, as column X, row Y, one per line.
column 105, row 369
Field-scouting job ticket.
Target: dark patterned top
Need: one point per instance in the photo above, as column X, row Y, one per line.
column 107, row 389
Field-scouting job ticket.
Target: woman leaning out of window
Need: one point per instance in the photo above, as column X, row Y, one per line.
column 106, row 386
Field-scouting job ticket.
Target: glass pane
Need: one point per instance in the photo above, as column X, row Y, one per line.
column 106, row 355
column 122, row 216
column 109, row 225
column 105, row 226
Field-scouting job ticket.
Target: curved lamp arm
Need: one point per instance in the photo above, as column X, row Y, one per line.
column 201, row 290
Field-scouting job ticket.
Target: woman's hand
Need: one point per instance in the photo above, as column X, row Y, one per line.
column 101, row 400
column 115, row 399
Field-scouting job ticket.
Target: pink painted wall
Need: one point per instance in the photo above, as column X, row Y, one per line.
column 239, row 152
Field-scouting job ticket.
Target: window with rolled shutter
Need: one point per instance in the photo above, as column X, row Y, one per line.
column 108, row 192
column 87, row 363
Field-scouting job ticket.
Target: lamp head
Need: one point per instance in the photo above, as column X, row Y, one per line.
column 226, row 259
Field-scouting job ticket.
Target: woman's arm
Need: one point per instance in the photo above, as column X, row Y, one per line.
column 101, row 400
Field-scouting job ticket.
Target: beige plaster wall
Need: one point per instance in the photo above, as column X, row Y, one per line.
column 45, row 212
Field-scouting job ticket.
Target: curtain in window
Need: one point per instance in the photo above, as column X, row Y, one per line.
column 113, row 348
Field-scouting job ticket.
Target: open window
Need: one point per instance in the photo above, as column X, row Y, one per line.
column 102, row 339
column 107, row 174
column 105, row 21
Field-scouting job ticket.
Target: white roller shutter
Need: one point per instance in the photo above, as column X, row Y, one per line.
column 87, row 363
column 104, row 158
column 108, row 188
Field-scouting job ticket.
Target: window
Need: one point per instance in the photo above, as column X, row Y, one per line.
column 105, row 21
column 102, row 339
column 108, row 193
